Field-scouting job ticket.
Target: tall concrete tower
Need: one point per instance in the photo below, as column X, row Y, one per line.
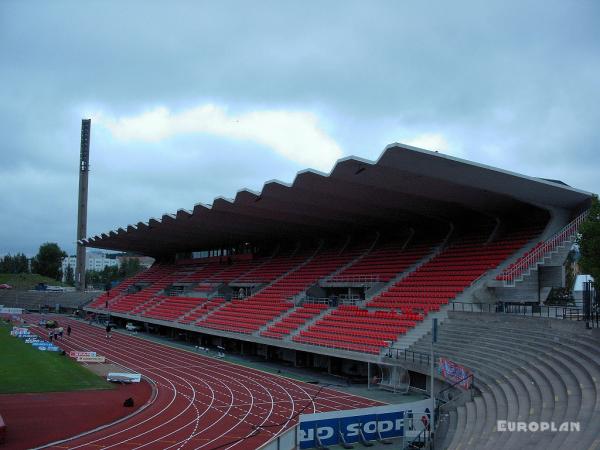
column 84, row 167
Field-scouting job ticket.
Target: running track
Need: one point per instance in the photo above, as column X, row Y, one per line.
column 201, row 402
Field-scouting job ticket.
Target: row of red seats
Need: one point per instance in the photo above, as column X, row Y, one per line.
column 447, row 274
column 203, row 308
column 293, row 321
column 278, row 293
column 333, row 342
column 385, row 262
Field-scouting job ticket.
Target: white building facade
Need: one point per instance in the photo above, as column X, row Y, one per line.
column 94, row 261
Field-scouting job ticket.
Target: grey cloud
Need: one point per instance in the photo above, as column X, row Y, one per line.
column 522, row 78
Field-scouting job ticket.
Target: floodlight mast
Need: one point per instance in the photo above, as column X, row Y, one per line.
column 84, row 167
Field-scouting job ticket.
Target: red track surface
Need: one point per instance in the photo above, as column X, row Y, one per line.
column 201, row 402
column 36, row 419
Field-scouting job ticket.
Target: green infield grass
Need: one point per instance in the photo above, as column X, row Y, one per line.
column 23, row 368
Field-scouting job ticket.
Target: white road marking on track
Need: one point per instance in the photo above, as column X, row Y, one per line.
column 266, row 389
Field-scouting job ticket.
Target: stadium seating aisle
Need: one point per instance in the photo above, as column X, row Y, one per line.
column 121, row 289
column 202, row 308
column 293, row 321
column 147, row 297
column 445, row 276
column 385, row 262
column 251, row 314
column 350, row 326
column 171, row 307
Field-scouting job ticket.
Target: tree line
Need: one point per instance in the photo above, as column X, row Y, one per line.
column 110, row 274
column 589, row 242
column 48, row 262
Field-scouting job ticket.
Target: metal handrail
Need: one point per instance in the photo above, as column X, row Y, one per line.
column 316, row 300
column 422, row 438
column 534, row 310
column 409, row 355
column 353, row 279
column 510, row 274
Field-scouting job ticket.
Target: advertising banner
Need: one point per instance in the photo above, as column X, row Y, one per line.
column 91, row 359
column 27, row 335
column 77, row 354
column 124, row 377
column 378, row 422
column 19, row 331
column 454, row 373
column 4, row 310
column 48, row 348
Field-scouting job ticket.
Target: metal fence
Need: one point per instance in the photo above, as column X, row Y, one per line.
column 419, row 358
column 553, row 312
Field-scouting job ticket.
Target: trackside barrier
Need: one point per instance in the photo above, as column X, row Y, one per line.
column 288, row 440
column 406, row 422
column 511, row 274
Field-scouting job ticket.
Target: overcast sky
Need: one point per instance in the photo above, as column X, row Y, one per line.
column 193, row 100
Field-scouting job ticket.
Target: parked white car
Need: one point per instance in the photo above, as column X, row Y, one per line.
column 130, row 326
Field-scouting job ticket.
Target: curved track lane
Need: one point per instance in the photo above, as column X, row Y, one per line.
column 201, row 403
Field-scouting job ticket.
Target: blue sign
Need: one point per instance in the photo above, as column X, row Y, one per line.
column 369, row 424
column 48, row 348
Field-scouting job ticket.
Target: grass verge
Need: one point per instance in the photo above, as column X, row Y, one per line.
column 25, row 281
column 23, row 369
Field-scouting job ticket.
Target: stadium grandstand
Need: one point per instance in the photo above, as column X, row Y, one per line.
column 346, row 271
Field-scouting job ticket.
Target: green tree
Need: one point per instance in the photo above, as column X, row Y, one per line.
column 5, row 264
column 102, row 277
column 129, row 267
column 109, row 274
column 14, row 264
column 92, row 278
column 48, row 261
column 21, row 263
column 70, row 276
column 589, row 241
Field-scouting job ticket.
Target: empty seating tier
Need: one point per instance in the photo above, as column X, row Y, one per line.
column 446, row 275
column 384, row 263
column 294, row 320
column 353, row 328
column 272, row 312
column 252, row 314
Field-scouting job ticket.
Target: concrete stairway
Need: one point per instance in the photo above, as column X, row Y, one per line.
column 372, row 293
column 417, row 332
column 353, row 261
column 308, row 323
column 198, row 322
column 526, row 369
column 275, row 320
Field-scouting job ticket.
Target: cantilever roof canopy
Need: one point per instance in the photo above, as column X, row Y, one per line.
column 405, row 185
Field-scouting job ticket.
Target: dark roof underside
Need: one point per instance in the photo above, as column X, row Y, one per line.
column 405, row 185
